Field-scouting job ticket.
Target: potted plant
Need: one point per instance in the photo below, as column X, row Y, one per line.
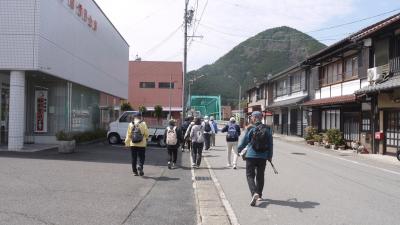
column 335, row 138
column 317, row 139
column 310, row 132
column 66, row 142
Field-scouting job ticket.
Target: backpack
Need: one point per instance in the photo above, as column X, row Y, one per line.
column 207, row 127
column 259, row 139
column 172, row 138
column 199, row 136
column 136, row 134
column 232, row 132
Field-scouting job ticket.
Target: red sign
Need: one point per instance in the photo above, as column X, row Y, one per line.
column 379, row 135
column 82, row 12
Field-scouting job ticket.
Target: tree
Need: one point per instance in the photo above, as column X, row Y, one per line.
column 126, row 106
column 142, row 110
column 158, row 110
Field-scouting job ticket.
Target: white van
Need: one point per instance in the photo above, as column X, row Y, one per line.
column 117, row 131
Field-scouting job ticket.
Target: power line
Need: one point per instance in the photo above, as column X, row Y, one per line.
column 148, row 53
column 198, row 22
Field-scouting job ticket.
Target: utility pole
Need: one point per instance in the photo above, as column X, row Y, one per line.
column 185, row 39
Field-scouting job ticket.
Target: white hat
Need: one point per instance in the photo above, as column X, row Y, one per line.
column 206, row 117
column 232, row 119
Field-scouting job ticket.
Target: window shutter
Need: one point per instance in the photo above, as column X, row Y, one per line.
column 363, row 63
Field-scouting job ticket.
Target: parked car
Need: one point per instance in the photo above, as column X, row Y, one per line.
column 117, row 131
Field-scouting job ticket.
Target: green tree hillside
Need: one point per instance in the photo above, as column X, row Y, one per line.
column 270, row 51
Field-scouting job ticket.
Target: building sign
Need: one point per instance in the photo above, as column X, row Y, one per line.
column 40, row 111
column 82, row 12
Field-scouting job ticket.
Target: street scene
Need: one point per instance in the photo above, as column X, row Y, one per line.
column 198, row 112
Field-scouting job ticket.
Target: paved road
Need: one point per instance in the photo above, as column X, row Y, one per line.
column 94, row 186
column 314, row 186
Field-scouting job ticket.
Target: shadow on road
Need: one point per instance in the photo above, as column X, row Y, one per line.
column 100, row 152
column 290, row 203
column 162, row 178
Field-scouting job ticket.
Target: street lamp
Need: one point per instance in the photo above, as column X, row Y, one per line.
column 240, row 94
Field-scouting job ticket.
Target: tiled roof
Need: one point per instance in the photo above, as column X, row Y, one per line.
column 393, row 82
column 375, row 27
column 289, row 102
column 331, row 101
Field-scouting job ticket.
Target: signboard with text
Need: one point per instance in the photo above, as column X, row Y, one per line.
column 40, row 111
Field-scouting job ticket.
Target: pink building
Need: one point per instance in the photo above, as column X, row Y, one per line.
column 149, row 85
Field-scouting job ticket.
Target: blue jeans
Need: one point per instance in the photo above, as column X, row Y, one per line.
column 197, row 150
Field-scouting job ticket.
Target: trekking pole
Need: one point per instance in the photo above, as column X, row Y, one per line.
column 273, row 167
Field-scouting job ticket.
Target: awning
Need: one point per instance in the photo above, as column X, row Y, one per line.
column 287, row 103
column 331, row 101
column 391, row 83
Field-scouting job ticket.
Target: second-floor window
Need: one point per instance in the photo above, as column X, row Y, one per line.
column 351, row 68
column 295, row 83
column 166, row 85
column 281, row 88
column 331, row 73
column 147, row 85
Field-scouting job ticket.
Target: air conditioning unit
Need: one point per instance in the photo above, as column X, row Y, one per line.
column 377, row 74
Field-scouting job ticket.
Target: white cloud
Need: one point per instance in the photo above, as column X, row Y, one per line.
column 144, row 23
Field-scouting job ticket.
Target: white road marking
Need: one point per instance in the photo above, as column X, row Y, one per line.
column 358, row 163
column 231, row 214
column 195, row 191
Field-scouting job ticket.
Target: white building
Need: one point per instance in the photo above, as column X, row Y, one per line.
column 63, row 66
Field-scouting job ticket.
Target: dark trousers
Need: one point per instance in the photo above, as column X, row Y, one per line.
column 207, row 138
column 255, row 168
column 189, row 144
column 137, row 152
column 173, row 154
column 197, row 150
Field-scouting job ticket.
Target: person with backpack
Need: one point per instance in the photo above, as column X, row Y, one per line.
column 197, row 137
column 136, row 139
column 187, row 138
column 208, row 131
column 215, row 126
column 259, row 144
column 173, row 138
column 184, row 128
column 232, row 138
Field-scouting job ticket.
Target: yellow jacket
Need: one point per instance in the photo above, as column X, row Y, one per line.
column 128, row 138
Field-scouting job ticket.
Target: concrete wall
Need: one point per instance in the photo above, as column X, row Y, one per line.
column 18, row 39
column 70, row 49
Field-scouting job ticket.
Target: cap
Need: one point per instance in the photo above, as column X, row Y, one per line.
column 232, row 119
column 211, row 118
column 256, row 114
column 206, row 117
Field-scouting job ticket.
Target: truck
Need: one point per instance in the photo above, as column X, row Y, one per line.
column 117, row 130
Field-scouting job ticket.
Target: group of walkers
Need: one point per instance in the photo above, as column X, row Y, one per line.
column 195, row 134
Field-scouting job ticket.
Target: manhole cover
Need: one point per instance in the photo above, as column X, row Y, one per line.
column 202, row 178
column 298, row 153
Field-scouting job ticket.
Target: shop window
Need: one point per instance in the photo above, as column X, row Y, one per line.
column 166, row 85
column 330, row 119
column 393, row 128
column 366, row 122
column 148, row 84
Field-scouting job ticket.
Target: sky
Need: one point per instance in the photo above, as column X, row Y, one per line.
column 154, row 28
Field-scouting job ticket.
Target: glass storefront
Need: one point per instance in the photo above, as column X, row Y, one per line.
column 85, row 110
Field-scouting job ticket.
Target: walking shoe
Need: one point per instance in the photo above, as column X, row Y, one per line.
column 234, row 167
column 254, row 199
column 197, row 166
column 141, row 173
column 173, row 165
column 135, row 173
column 169, row 165
column 228, row 165
column 193, row 165
column 260, row 199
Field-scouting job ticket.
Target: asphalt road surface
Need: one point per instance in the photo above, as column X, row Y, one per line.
column 314, row 186
column 94, row 186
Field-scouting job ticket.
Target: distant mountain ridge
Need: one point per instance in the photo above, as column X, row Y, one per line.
column 270, row 51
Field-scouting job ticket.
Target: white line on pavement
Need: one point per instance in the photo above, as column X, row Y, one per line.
column 358, row 163
column 231, row 214
column 195, row 191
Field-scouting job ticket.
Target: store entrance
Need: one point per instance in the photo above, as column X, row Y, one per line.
column 4, row 115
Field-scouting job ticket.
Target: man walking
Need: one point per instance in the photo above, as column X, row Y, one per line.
column 259, row 143
column 197, row 137
column 232, row 137
column 215, row 126
column 136, row 139
column 173, row 138
column 184, row 128
column 208, row 130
